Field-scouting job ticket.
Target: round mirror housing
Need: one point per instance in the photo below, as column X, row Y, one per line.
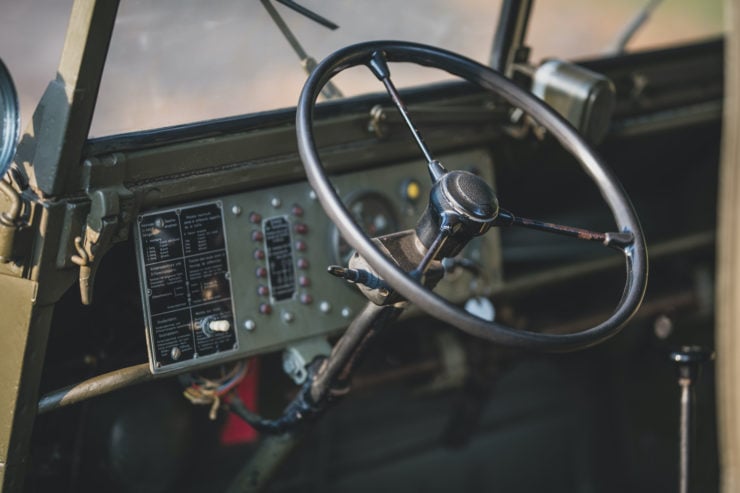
column 10, row 128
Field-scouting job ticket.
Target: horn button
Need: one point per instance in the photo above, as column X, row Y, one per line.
column 462, row 202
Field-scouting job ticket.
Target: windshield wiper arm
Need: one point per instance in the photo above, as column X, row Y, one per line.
column 329, row 91
column 634, row 25
column 309, row 13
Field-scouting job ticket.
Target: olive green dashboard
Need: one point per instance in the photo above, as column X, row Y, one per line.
column 235, row 275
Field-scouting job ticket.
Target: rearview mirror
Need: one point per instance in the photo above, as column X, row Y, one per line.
column 11, row 119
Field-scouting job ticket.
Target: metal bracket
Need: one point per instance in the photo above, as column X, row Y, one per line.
column 297, row 357
column 376, row 125
column 8, row 219
column 383, row 117
column 407, row 252
column 108, row 216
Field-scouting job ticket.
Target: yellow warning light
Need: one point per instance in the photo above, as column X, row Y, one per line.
column 413, row 190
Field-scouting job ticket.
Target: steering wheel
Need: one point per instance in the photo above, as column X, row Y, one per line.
column 469, row 200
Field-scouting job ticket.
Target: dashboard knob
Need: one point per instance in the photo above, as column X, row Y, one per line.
column 219, row 325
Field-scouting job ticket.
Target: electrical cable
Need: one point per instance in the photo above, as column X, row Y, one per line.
column 201, row 390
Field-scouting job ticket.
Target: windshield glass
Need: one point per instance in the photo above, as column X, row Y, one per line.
column 666, row 22
column 173, row 62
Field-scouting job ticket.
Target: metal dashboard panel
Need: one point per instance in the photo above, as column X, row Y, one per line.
column 242, row 274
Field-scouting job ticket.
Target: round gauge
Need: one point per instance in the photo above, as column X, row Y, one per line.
column 374, row 213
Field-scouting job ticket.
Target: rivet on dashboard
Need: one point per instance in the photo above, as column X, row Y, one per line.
column 304, row 281
column 275, row 202
column 297, row 210
column 255, row 218
column 346, row 312
column 159, row 223
column 175, row 353
column 250, row 325
column 288, row 317
column 259, row 254
column 257, row 235
column 312, row 195
column 236, row 210
column 325, row 307
column 302, row 263
column 261, row 272
column 301, row 246
column 306, row 299
column 263, row 290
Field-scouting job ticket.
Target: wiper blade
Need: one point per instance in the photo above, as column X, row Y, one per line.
column 309, row 13
column 329, row 91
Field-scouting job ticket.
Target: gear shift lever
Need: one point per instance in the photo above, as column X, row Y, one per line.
column 689, row 361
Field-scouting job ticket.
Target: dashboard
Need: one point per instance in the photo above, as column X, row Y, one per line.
column 240, row 274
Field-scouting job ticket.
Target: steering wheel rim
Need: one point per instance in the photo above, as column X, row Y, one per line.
column 635, row 253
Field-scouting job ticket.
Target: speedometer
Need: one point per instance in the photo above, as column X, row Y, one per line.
column 374, row 213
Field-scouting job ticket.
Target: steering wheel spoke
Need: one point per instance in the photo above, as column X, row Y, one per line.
column 432, row 253
column 378, row 65
column 610, row 239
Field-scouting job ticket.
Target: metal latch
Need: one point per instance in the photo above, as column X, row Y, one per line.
column 101, row 226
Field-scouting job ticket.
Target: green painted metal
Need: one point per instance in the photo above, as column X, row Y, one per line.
column 50, row 153
column 51, row 148
column 20, row 314
column 273, row 332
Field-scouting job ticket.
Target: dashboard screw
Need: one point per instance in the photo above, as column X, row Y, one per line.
column 236, row 210
column 250, row 325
